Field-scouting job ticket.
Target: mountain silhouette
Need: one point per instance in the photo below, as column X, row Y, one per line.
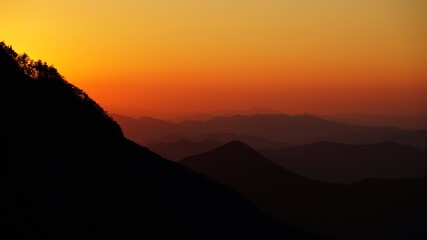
column 255, row 171
column 371, row 209
column 69, row 173
column 182, row 148
column 201, row 116
column 279, row 128
column 252, row 141
column 177, row 147
column 334, row 162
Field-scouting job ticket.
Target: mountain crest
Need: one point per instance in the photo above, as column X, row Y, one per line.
column 235, row 144
column 36, row 88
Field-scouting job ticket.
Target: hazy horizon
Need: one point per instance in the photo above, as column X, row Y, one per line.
column 145, row 112
column 328, row 57
column 406, row 121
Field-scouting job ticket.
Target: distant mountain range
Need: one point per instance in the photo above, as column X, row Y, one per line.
column 282, row 129
column 323, row 161
column 372, row 209
column 333, row 162
column 176, row 147
column 411, row 122
column 179, row 116
column 69, row 173
column 405, row 121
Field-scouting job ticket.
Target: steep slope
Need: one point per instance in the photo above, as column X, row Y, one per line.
column 333, row 162
column 68, row 173
column 374, row 209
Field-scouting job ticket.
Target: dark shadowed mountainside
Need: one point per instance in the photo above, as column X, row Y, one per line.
column 177, row 147
column 252, row 141
column 68, row 173
column 333, row 162
column 180, row 149
column 371, row 209
column 281, row 128
column 254, row 169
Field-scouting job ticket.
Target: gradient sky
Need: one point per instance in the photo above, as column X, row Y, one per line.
column 296, row 56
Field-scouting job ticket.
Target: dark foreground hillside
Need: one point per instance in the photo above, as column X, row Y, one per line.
column 370, row 209
column 68, row 173
column 334, row 162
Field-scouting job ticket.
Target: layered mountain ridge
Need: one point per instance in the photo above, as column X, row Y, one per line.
column 280, row 129
column 370, row 209
column 69, row 173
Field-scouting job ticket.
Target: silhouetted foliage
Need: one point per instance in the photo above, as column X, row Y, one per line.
column 49, row 81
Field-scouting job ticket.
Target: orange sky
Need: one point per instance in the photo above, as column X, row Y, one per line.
column 296, row 56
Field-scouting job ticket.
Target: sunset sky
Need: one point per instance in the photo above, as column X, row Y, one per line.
column 295, row 56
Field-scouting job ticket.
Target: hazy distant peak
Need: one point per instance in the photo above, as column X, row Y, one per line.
column 275, row 116
column 236, row 144
column 234, row 147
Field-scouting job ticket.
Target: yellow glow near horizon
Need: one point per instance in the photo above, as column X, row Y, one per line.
column 164, row 53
